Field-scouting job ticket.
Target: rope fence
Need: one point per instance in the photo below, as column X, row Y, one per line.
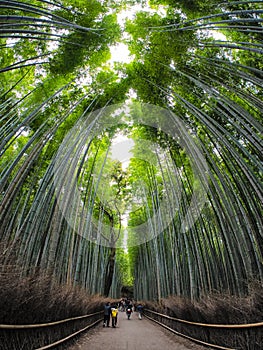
column 44, row 336
column 218, row 336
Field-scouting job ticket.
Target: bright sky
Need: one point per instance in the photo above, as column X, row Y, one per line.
column 120, row 52
column 121, row 149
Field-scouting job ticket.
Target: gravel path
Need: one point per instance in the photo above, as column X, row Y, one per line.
column 133, row 334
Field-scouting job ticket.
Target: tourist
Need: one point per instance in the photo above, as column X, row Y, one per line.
column 107, row 314
column 129, row 310
column 114, row 314
column 139, row 308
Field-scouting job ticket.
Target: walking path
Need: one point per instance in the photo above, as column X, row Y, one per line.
column 133, row 334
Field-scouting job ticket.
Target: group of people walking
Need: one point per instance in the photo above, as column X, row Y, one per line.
column 111, row 311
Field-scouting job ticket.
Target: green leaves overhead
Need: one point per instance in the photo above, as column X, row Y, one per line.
column 202, row 62
column 92, row 46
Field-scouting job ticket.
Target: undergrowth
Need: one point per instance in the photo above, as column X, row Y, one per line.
column 39, row 298
column 217, row 308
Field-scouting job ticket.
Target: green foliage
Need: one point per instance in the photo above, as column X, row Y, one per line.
column 123, row 261
column 201, row 60
column 89, row 47
column 191, row 7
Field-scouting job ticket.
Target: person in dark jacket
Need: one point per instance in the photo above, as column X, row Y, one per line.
column 129, row 311
column 107, row 314
column 139, row 309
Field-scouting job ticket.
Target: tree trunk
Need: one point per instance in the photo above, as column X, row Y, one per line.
column 109, row 271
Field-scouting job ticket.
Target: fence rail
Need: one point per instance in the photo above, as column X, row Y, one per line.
column 44, row 336
column 218, row 336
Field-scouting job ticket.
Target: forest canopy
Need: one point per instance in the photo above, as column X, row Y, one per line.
column 131, row 143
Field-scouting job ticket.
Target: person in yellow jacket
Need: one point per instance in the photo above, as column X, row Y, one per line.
column 114, row 314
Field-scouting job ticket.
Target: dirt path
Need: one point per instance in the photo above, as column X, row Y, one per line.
column 133, row 334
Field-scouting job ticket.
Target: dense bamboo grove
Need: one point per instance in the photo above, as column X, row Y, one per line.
column 64, row 197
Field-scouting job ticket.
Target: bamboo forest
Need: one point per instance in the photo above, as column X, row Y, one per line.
column 131, row 146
